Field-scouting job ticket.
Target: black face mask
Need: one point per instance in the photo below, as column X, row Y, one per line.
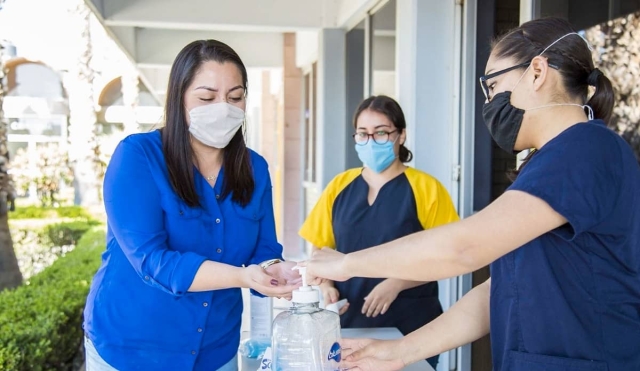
column 503, row 120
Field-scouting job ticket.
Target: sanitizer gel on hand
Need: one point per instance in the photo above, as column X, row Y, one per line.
column 306, row 338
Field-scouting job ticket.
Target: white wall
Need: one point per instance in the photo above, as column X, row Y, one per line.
column 384, row 53
column 257, row 49
column 306, row 48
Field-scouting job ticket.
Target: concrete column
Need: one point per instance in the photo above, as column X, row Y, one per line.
column 271, row 142
column 427, row 76
column 292, row 144
column 425, row 69
column 331, row 105
column 355, row 89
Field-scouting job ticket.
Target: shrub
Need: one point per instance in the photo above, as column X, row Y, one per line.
column 48, row 170
column 37, row 247
column 68, row 233
column 41, row 321
column 35, row 212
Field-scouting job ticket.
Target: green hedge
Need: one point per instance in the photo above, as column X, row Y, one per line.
column 37, row 212
column 67, row 233
column 40, row 323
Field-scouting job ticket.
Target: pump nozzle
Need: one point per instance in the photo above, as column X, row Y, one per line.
column 303, row 273
column 306, row 293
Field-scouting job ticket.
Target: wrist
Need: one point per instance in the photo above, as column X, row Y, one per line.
column 243, row 277
column 393, row 284
column 348, row 267
column 404, row 351
column 267, row 263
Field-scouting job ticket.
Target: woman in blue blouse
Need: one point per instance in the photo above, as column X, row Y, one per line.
column 563, row 241
column 190, row 221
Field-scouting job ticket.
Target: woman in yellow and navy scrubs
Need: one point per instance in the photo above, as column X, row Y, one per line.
column 378, row 203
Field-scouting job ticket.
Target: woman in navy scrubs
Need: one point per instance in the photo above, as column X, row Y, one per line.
column 374, row 204
column 563, row 241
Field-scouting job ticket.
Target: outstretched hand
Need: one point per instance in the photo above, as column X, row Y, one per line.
column 326, row 264
column 372, row 355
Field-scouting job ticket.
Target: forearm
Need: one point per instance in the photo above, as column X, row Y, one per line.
column 460, row 247
column 441, row 249
column 465, row 322
column 217, row 276
column 402, row 285
column 325, row 283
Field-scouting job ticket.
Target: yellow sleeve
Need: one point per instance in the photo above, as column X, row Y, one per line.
column 434, row 203
column 317, row 229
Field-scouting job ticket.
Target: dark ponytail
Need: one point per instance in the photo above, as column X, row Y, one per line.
column 404, row 154
column 602, row 100
column 391, row 109
column 571, row 56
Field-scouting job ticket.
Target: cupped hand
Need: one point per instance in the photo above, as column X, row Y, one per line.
column 258, row 279
column 285, row 274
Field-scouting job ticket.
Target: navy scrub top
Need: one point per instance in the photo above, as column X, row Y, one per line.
column 343, row 219
column 570, row 299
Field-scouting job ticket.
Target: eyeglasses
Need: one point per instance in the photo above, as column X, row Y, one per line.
column 483, row 79
column 380, row 137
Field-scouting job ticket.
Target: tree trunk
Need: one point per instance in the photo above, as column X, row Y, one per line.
column 84, row 150
column 10, row 275
column 130, row 97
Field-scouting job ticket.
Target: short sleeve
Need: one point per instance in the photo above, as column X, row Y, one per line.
column 578, row 174
column 442, row 211
column 433, row 202
column 317, row 229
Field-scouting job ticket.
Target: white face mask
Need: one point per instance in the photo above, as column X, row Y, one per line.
column 215, row 124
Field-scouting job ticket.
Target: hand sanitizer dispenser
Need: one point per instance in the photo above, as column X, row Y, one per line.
column 306, row 337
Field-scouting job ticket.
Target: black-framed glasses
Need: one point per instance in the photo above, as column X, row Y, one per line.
column 381, row 137
column 483, row 79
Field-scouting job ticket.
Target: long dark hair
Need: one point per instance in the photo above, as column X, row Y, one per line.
column 571, row 56
column 176, row 140
column 391, row 109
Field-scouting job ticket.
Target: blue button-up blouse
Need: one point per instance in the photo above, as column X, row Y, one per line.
column 139, row 314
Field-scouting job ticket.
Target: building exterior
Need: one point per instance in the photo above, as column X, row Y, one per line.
column 428, row 54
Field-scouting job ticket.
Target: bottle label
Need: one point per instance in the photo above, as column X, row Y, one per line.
column 335, row 354
column 261, row 318
column 265, row 364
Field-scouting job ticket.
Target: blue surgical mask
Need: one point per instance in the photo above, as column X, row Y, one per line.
column 377, row 157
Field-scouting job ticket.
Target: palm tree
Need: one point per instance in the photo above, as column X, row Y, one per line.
column 84, row 148
column 130, row 98
column 10, row 275
column 615, row 51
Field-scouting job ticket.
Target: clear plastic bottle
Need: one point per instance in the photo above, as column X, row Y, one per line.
column 306, row 338
column 259, row 340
